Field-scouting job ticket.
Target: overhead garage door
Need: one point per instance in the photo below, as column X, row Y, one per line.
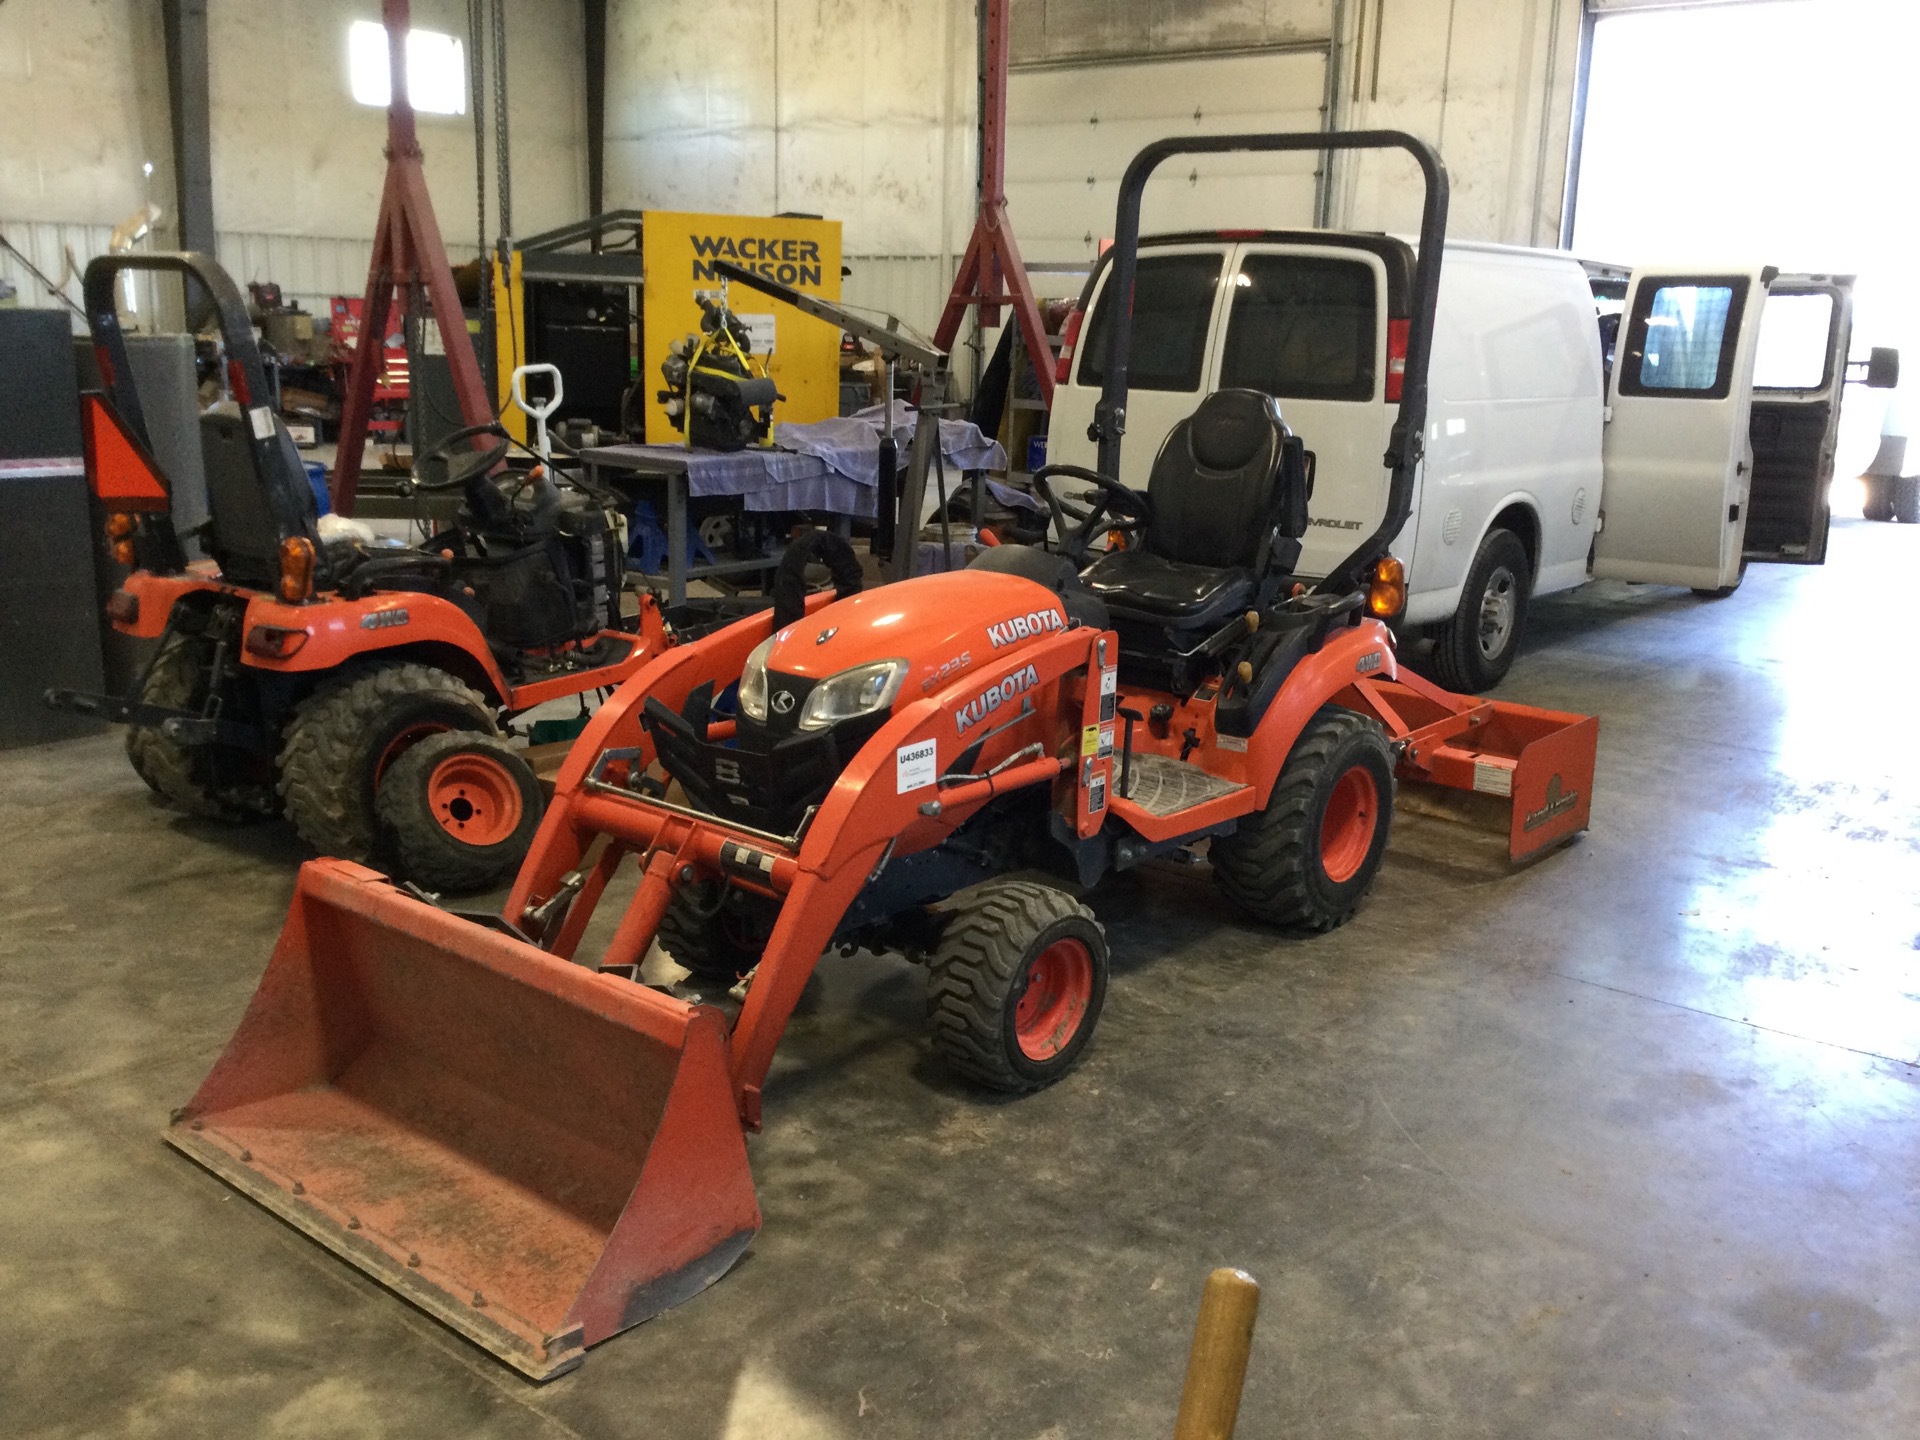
column 1071, row 132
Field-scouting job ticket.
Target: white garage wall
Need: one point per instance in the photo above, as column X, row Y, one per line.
column 1072, row 132
column 297, row 164
column 1489, row 82
column 861, row 112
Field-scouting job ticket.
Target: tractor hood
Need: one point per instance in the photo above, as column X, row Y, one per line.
column 941, row 625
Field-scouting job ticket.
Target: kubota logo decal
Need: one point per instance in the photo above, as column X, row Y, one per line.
column 1558, row 803
column 1024, row 627
column 994, row 696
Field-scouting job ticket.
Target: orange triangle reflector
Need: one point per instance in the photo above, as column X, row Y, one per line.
column 119, row 470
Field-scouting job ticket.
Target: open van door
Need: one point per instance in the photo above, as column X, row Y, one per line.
column 1799, row 374
column 1677, row 462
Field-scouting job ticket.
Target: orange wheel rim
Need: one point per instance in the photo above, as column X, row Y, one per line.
column 1059, row 990
column 1347, row 826
column 474, row 799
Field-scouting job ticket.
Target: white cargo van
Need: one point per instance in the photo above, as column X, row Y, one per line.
column 1546, row 463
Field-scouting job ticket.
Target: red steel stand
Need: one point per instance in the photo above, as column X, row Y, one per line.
column 407, row 252
column 991, row 274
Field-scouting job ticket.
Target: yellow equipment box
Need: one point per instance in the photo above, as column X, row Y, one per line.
column 679, row 251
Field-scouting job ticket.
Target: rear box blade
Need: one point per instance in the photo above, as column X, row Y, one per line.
column 538, row 1155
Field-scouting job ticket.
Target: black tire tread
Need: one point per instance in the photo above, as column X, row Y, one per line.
column 171, row 770
column 1263, row 865
column 1903, row 500
column 422, row 850
column 1457, row 661
column 326, row 795
column 697, row 942
column 974, row 968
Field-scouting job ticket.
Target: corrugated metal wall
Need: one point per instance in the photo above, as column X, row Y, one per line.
column 307, row 268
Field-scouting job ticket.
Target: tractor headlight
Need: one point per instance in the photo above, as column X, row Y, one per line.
column 863, row 690
column 753, row 682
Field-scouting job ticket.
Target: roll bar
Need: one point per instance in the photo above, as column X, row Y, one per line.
column 289, row 499
column 1405, row 445
column 103, row 320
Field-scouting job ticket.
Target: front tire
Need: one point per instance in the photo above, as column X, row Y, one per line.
column 1474, row 650
column 1308, row 857
column 460, row 810
column 346, row 734
column 1018, row 980
column 718, row 934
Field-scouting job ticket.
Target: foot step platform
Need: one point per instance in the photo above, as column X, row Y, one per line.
column 1163, row 786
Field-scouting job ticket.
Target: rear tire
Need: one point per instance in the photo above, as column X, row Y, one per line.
column 1879, row 501
column 1474, row 650
column 460, row 810
column 345, row 735
column 1905, row 500
column 215, row 782
column 1308, row 857
column 718, row 940
column 1018, row 980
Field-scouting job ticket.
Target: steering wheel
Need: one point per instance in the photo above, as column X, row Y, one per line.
column 1077, row 521
column 464, row 464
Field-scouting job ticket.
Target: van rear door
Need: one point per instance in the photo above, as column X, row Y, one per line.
column 1799, row 375
column 1176, row 294
column 1675, row 450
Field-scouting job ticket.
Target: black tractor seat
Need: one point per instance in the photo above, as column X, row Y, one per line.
column 1140, row 585
column 1229, row 491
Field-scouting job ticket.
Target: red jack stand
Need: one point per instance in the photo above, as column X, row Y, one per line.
column 991, row 273
column 407, row 252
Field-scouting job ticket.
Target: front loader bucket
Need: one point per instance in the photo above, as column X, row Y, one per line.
column 535, row 1153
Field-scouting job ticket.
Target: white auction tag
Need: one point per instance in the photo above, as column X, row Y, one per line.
column 915, row 766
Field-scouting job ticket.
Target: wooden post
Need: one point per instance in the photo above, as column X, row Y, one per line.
column 1217, row 1364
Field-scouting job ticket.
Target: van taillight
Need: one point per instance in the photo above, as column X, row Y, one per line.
column 1396, row 358
column 1063, row 367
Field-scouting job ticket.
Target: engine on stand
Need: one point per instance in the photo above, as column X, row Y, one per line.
column 718, row 395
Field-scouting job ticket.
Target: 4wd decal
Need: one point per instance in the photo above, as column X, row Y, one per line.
column 1368, row 663
column 1023, row 627
column 1558, row 803
column 993, row 697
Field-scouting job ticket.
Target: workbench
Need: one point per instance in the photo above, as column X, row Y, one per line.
column 830, row 467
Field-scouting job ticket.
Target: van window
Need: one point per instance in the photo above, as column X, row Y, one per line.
column 1681, row 339
column 1302, row 328
column 1172, row 308
column 1796, row 334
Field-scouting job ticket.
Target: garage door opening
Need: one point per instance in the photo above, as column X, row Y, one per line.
column 1778, row 132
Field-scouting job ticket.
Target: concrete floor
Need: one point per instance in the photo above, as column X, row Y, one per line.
column 1625, row 1143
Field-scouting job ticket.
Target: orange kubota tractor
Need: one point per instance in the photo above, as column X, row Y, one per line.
column 542, row 1150
column 365, row 688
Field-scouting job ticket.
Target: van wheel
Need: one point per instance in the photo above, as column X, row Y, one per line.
column 1879, row 501
column 1906, row 500
column 1474, row 650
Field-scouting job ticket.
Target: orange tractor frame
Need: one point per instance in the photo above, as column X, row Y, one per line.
column 542, row 1151
column 300, row 673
